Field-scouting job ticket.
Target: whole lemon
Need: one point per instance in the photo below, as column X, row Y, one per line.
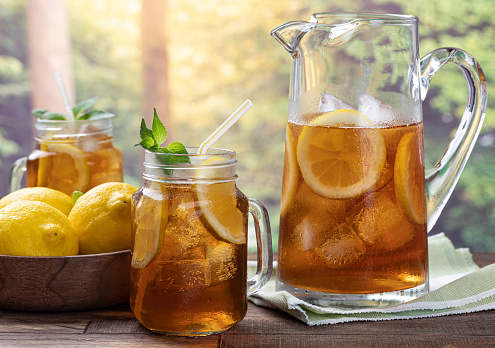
column 32, row 228
column 102, row 218
column 56, row 199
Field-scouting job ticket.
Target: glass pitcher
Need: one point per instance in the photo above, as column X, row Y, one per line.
column 356, row 204
column 70, row 156
column 189, row 253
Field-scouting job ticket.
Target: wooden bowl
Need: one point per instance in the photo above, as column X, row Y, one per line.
column 67, row 283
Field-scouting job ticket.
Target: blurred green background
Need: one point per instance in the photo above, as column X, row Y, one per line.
column 214, row 55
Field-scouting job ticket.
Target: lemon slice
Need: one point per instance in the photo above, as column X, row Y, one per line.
column 219, row 208
column 341, row 154
column 291, row 173
column 149, row 221
column 408, row 178
column 66, row 169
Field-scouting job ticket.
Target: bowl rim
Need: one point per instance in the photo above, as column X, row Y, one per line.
column 113, row 253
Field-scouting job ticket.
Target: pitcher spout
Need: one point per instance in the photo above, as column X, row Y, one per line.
column 290, row 33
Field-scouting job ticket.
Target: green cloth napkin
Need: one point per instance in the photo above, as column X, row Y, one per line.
column 457, row 285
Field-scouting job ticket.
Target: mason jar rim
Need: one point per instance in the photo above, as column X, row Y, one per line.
column 53, row 122
column 192, row 154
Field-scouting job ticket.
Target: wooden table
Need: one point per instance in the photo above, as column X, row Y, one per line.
column 262, row 327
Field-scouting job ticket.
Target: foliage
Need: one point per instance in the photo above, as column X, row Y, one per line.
column 220, row 53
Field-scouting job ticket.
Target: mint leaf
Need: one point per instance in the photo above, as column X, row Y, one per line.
column 158, row 129
column 151, row 139
column 81, row 112
column 177, row 148
column 84, row 105
column 53, row 116
column 147, row 143
column 38, row 113
column 76, row 195
column 95, row 115
column 144, row 131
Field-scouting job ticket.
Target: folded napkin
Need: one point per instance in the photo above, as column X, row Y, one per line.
column 457, row 285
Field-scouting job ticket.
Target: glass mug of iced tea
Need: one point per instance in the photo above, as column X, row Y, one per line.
column 70, row 156
column 356, row 205
column 189, row 255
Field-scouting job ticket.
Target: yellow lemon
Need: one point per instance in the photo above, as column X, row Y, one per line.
column 32, row 228
column 409, row 178
column 341, row 154
column 102, row 218
column 55, row 198
column 65, row 169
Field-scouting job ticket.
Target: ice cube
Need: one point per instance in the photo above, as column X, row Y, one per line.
column 221, row 262
column 185, row 232
column 342, row 247
column 312, row 216
column 380, row 223
column 378, row 112
column 329, row 102
column 180, row 275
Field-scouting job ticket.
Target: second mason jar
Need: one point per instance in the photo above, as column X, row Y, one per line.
column 70, row 156
column 189, row 254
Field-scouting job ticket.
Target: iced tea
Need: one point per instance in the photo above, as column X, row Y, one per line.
column 191, row 280
column 69, row 156
column 358, row 225
column 70, row 165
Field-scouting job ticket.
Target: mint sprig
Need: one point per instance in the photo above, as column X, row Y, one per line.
column 152, row 139
column 81, row 112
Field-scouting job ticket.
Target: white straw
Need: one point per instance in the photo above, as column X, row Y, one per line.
column 65, row 98
column 203, row 149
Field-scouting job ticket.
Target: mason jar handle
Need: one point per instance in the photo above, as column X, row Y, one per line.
column 16, row 174
column 441, row 179
column 264, row 246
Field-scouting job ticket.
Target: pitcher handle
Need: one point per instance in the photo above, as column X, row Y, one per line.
column 441, row 179
column 16, row 174
column 264, row 246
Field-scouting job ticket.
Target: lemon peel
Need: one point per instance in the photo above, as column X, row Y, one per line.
column 55, row 198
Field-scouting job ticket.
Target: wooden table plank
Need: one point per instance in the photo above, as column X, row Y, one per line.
column 262, row 327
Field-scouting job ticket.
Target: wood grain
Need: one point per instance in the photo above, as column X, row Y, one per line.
column 64, row 283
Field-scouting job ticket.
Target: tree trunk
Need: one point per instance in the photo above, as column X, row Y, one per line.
column 49, row 51
column 155, row 63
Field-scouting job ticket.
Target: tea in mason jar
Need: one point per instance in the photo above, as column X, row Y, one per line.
column 70, row 165
column 191, row 279
column 189, row 253
column 353, row 211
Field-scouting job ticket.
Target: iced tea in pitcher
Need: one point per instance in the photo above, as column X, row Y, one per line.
column 353, row 211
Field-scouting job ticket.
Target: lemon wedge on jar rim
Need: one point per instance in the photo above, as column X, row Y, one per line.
column 218, row 204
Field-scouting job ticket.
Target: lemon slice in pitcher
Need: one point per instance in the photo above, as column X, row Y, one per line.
column 341, row 154
column 291, row 172
column 65, row 169
column 408, row 179
column 218, row 204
